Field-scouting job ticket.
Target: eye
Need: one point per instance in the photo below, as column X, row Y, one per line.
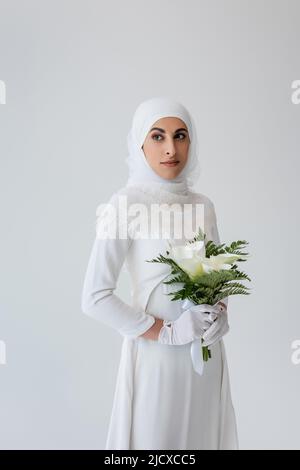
column 181, row 133
column 156, row 135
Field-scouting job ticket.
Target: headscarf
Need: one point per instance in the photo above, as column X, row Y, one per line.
column 140, row 172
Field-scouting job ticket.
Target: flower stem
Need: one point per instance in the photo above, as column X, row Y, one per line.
column 206, row 353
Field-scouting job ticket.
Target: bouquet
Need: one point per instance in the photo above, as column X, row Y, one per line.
column 208, row 272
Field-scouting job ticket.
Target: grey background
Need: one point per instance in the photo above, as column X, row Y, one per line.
column 75, row 72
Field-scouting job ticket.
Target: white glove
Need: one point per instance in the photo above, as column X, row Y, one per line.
column 192, row 324
column 218, row 329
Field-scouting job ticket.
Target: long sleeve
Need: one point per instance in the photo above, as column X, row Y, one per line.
column 216, row 236
column 98, row 298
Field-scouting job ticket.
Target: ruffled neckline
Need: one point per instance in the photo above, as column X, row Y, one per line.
column 163, row 191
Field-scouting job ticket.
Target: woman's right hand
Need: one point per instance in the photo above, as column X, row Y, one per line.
column 191, row 325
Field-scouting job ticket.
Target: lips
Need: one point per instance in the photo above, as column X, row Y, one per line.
column 170, row 163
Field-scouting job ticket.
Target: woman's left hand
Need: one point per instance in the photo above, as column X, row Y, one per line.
column 219, row 327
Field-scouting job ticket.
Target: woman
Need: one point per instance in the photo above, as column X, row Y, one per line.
column 160, row 401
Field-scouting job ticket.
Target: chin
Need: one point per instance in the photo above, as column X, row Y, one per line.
column 169, row 174
column 170, row 177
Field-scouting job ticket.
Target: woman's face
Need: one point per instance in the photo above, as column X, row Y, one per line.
column 167, row 141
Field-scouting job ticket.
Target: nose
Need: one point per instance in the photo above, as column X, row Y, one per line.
column 170, row 149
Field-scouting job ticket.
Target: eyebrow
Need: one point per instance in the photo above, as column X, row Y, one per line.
column 163, row 130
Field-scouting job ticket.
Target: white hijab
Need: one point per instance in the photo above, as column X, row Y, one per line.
column 140, row 172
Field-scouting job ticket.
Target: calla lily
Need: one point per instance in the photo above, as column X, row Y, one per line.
column 191, row 258
column 222, row 261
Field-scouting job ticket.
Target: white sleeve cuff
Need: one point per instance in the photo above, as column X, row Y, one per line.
column 144, row 323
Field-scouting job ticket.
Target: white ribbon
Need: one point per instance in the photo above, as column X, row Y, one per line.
column 196, row 346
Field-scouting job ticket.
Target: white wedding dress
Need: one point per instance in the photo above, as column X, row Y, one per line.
column 160, row 401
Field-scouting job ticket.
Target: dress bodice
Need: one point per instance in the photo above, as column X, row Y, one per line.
column 149, row 297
